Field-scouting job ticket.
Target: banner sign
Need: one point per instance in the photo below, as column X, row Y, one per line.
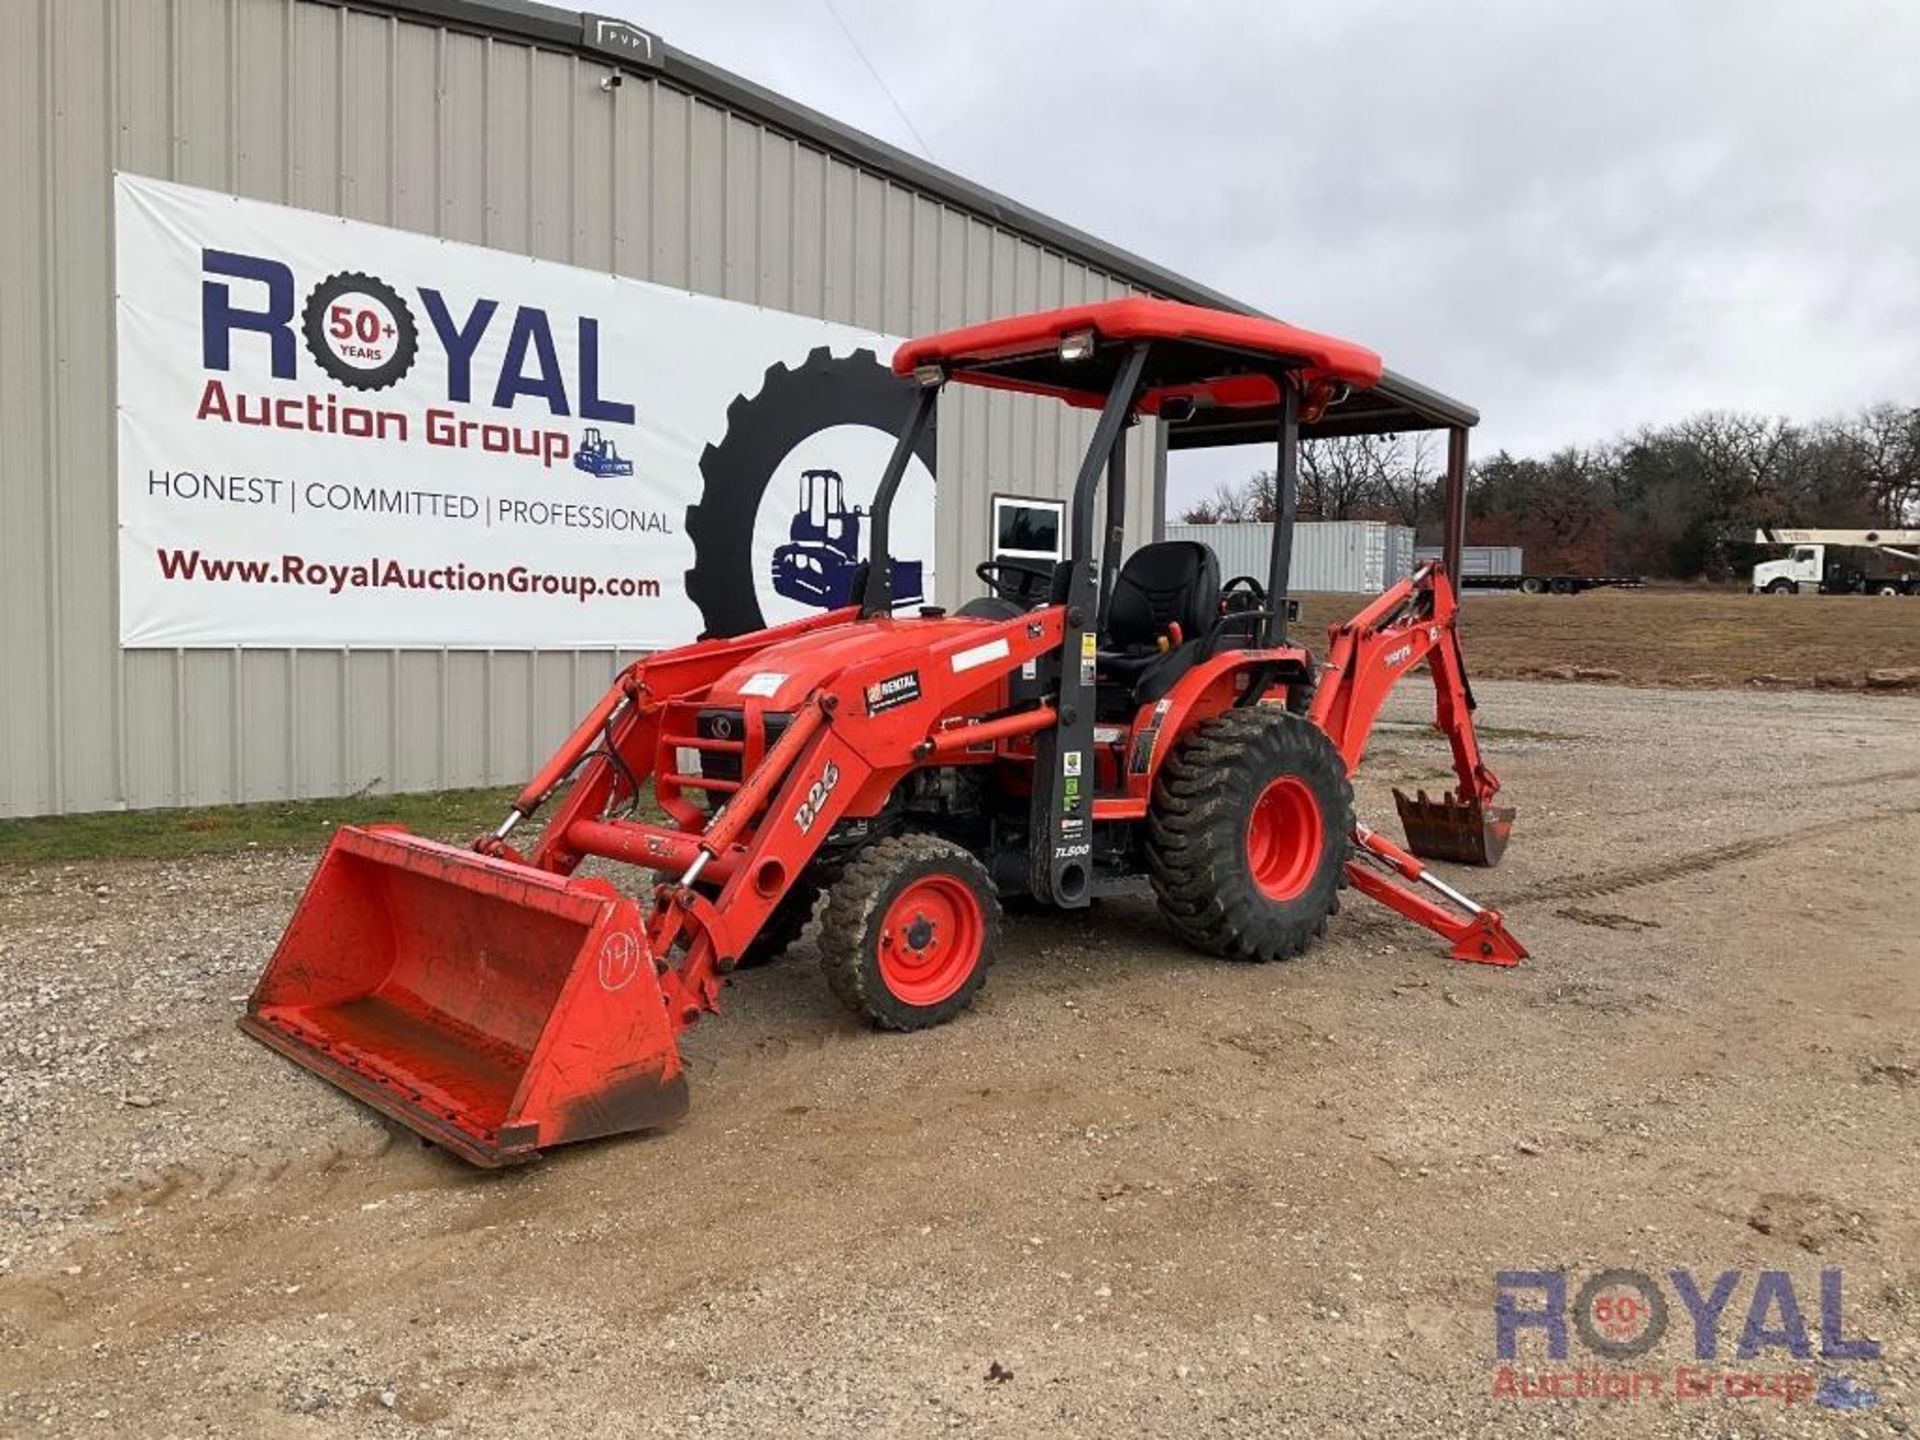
column 333, row 433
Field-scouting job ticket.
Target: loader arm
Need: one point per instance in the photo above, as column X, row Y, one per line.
column 625, row 722
column 836, row 756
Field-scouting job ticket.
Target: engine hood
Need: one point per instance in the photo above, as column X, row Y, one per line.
column 780, row 676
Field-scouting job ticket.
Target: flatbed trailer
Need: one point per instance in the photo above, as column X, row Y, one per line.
column 1551, row 584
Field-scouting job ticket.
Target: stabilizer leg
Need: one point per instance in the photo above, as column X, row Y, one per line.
column 1478, row 935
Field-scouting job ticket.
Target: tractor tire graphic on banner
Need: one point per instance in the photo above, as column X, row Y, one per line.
column 360, row 331
column 816, row 567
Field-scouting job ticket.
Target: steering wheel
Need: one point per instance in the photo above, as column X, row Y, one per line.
column 1232, row 602
column 1024, row 582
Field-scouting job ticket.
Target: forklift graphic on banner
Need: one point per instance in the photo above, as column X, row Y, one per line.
column 818, row 565
column 598, row 455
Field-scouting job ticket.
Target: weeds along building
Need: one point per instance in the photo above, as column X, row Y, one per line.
column 305, row 287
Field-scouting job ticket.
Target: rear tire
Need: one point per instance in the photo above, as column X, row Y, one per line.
column 1248, row 835
column 908, row 931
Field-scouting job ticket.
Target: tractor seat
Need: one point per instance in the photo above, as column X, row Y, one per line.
column 1168, row 583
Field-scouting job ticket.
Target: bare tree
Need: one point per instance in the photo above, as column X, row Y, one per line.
column 1351, row 477
column 1252, row 499
column 1664, row 500
column 1886, row 445
column 1409, row 479
column 1340, row 476
column 1745, row 462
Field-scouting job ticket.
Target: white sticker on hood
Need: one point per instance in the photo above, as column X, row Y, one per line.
column 981, row 655
column 763, row 682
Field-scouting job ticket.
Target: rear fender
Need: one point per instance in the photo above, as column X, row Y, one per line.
column 1209, row 688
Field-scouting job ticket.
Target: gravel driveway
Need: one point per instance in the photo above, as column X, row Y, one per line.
column 1133, row 1190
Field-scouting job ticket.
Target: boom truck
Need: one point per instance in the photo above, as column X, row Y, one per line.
column 1838, row 562
column 1107, row 725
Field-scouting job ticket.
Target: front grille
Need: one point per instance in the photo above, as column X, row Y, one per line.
column 731, row 725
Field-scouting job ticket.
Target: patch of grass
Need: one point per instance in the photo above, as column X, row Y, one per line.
column 1674, row 635
column 1522, row 732
column 294, row 825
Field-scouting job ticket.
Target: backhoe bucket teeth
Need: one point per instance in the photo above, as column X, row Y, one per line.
column 491, row 1007
column 1465, row 832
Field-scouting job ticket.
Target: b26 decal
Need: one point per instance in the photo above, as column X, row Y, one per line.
column 817, row 794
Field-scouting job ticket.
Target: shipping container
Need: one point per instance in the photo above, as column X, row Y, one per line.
column 1482, row 559
column 1351, row 557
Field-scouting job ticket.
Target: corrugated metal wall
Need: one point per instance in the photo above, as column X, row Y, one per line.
column 483, row 139
column 1335, row 556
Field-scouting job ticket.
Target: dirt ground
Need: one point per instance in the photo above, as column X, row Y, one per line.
column 1678, row 636
column 1134, row 1190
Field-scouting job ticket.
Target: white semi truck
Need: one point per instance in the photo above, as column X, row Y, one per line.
column 1822, row 562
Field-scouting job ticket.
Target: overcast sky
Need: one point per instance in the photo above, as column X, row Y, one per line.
column 1580, row 215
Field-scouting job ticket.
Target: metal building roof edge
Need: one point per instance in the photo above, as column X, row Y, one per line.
column 572, row 29
column 1427, row 401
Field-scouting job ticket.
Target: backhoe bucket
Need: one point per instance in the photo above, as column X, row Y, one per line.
column 1465, row 832
column 491, row 1007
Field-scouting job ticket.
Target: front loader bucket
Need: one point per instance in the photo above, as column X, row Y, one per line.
column 491, row 1007
column 1465, row 832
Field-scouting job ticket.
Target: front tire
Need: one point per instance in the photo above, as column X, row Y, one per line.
column 1248, row 834
column 1783, row 587
column 908, row 931
column 783, row 925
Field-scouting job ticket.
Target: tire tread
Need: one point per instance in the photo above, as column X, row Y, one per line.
column 850, row 912
column 1196, row 847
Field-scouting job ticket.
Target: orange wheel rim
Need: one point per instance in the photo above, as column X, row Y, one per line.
column 931, row 940
column 1285, row 836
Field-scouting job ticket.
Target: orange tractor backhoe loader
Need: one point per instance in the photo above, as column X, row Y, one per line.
column 1091, row 728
